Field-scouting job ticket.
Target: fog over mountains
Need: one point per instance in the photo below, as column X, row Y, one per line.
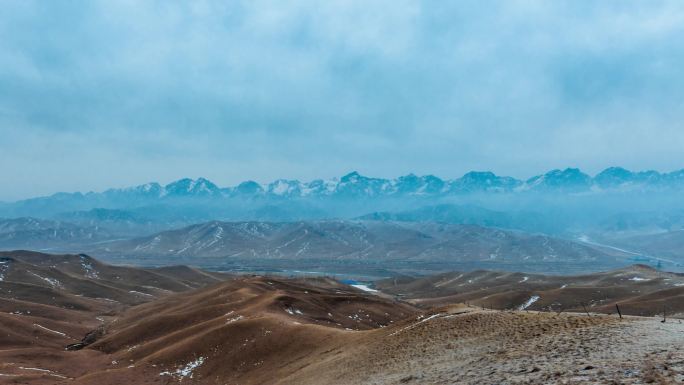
column 349, row 196
column 355, row 185
column 486, row 198
column 611, row 219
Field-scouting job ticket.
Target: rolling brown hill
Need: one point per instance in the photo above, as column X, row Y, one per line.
column 247, row 331
column 271, row 330
column 266, row 321
column 284, row 332
column 50, row 301
column 638, row 289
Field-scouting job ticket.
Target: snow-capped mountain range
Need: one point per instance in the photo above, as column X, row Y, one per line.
column 565, row 203
column 187, row 201
column 355, row 185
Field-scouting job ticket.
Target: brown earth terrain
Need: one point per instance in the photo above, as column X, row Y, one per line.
column 268, row 330
column 638, row 290
column 50, row 301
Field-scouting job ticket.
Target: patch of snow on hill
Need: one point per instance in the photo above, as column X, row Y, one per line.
column 529, row 302
column 53, row 282
column 90, row 272
column 50, row 330
column 4, row 266
column 234, row 319
column 149, row 245
column 364, row 288
column 293, row 311
column 218, row 235
column 185, row 371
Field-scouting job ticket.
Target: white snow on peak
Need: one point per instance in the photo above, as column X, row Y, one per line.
column 191, row 186
column 285, row 187
column 280, row 187
column 200, row 185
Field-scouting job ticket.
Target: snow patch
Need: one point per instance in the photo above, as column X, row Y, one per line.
column 36, row 369
column 529, row 302
column 140, row 293
column 364, row 288
column 421, row 320
column 90, row 272
column 50, row 330
column 293, row 311
column 4, row 266
column 48, row 372
column 186, row 370
column 53, row 282
column 234, row 319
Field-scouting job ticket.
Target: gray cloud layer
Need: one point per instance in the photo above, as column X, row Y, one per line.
column 96, row 94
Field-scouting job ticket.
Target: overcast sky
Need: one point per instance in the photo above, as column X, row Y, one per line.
column 116, row 93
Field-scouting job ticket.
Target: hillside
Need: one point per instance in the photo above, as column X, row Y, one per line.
column 381, row 248
column 253, row 345
column 37, row 234
column 160, row 326
column 50, row 301
column 668, row 245
column 638, row 289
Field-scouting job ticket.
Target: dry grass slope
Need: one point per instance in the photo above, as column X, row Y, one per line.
column 159, row 327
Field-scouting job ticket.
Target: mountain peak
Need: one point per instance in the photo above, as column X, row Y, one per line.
column 568, row 180
column 249, row 187
column 613, row 176
column 187, row 186
column 354, row 185
column 480, row 175
column 352, row 177
column 484, row 181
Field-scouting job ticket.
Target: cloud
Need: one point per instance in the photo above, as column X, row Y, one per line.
column 159, row 90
